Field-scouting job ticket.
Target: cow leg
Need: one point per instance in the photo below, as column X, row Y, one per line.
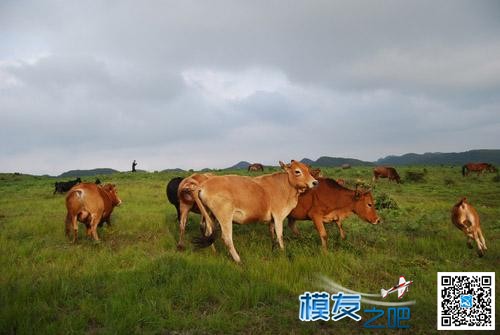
column 68, row 223
column 227, row 235
column 74, row 223
column 278, row 227
column 320, row 227
column 183, row 217
column 89, row 230
column 93, row 226
column 293, row 226
column 271, row 232
column 480, row 234
column 480, row 250
column 341, row 230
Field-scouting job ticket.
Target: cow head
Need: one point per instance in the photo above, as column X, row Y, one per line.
column 112, row 192
column 316, row 173
column 393, row 174
column 364, row 206
column 299, row 175
column 491, row 168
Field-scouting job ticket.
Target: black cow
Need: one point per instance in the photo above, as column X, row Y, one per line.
column 65, row 186
column 173, row 198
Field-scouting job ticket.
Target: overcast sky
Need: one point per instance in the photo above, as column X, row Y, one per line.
column 194, row 84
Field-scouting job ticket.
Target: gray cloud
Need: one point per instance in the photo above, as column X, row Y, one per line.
column 195, row 84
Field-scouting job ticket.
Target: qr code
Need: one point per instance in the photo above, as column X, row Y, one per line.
column 466, row 301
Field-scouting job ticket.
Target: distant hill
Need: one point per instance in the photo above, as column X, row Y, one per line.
column 176, row 170
column 308, row 161
column 240, row 165
column 335, row 162
column 86, row 173
column 437, row 158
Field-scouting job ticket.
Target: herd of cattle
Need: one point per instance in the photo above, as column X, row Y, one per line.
column 298, row 192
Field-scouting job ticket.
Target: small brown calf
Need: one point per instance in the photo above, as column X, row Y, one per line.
column 465, row 218
column 90, row 204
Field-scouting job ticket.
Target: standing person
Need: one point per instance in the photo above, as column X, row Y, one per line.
column 134, row 163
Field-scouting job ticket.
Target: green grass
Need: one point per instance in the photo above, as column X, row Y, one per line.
column 135, row 281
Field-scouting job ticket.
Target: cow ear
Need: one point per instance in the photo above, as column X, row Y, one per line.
column 357, row 194
column 283, row 165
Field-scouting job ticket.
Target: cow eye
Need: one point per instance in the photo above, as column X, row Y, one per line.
column 369, row 205
column 297, row 172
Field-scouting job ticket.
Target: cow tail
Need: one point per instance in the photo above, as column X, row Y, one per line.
column 77, row 193
column 463, row 170
column 204, row 241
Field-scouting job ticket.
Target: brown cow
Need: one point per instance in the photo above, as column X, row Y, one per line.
column 90, row 204
column 256, row 167
column 332, row 202
column 479, row 168
column 386, row 172
column 465, row 218
column 187, row 203
column 245, row 200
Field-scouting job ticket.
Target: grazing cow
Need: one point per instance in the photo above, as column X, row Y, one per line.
column 332, row 202
column 187, row 203
column 477, row 167
column 386, row 172
column 465, row 218
column 256, row 167
column 90, row 204
column 65, row 186
column 243, row 200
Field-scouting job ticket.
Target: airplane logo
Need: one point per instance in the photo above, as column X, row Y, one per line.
column 401, row 288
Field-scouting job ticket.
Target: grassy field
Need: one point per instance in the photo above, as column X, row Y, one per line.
column 135, row 281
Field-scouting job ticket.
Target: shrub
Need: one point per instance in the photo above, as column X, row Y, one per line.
column 449, row 182
column 414, row 176
column 496, row 179
column 384, row 201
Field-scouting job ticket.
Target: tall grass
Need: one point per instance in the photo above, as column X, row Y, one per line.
column 135, row 281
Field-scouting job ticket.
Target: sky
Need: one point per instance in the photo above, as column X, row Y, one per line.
column 195, row 84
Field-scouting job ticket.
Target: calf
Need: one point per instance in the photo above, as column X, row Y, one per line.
column 332, row 202
column 465, row 218
column 65, row 186
column 90, row 204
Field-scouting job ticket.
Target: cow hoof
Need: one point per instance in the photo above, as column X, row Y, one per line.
column 181, row 247
column 97, row 242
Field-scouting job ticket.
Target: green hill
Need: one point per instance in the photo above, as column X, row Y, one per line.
column 326, row 161
column 438, row 158
column 87, row 173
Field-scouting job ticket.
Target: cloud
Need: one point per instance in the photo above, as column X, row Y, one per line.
column 198, row 84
